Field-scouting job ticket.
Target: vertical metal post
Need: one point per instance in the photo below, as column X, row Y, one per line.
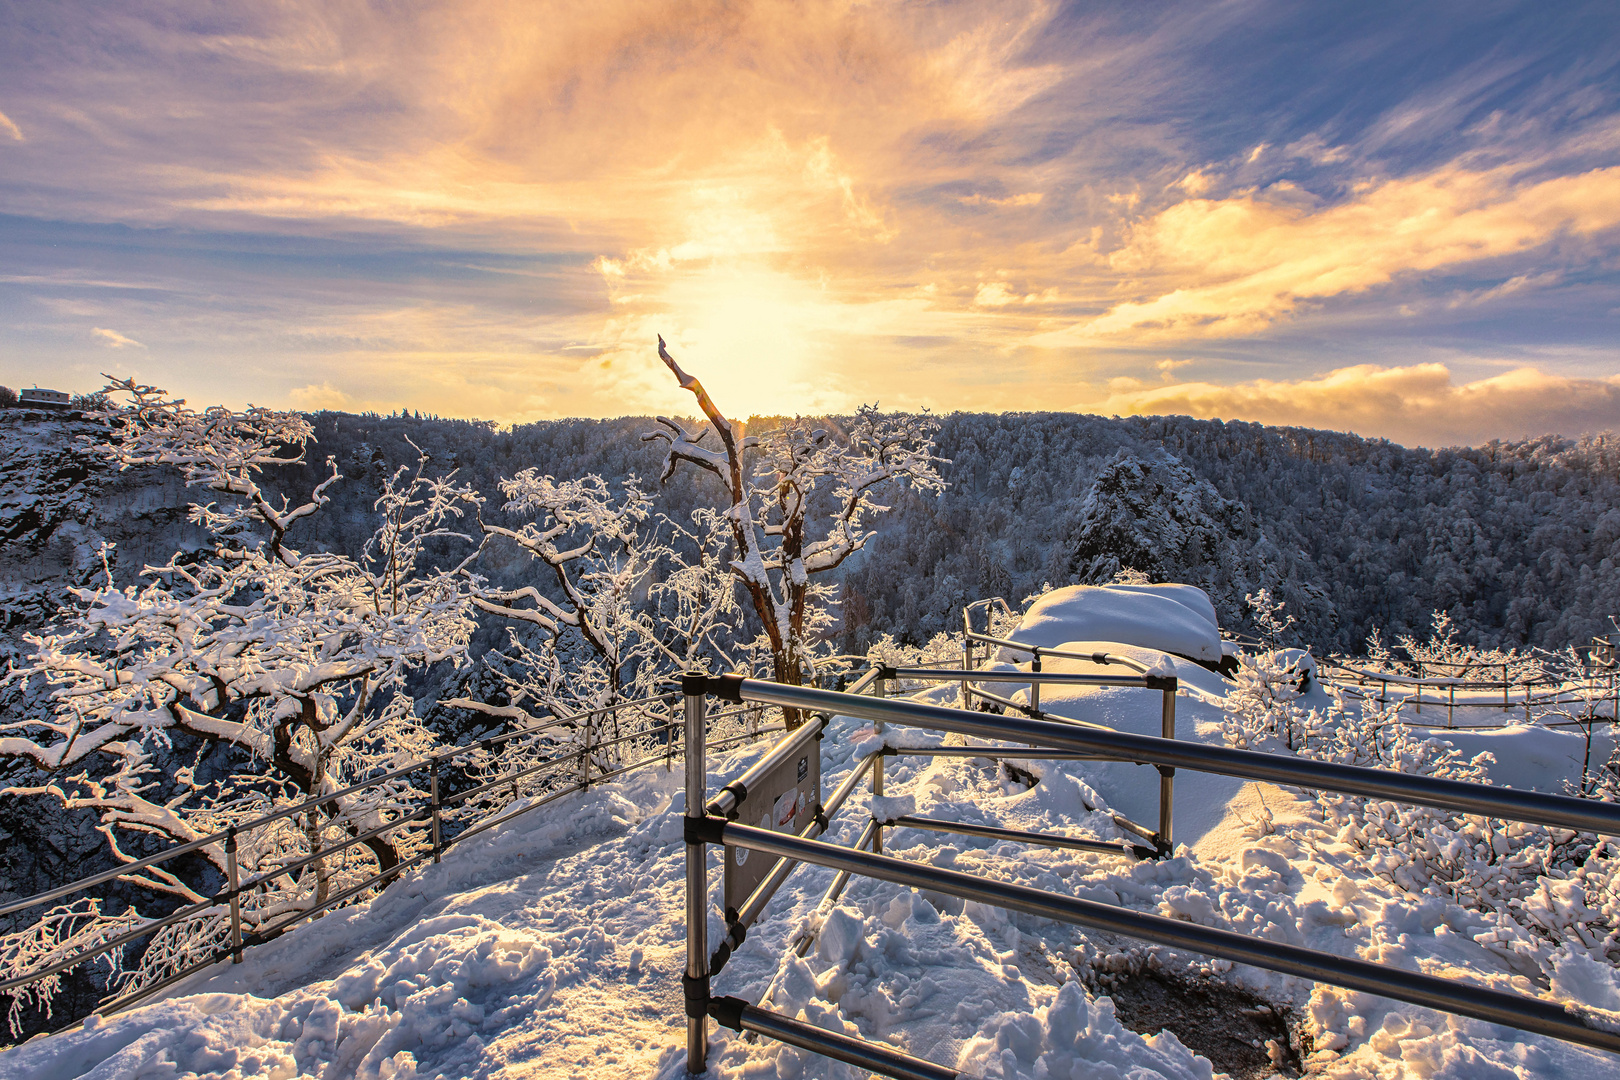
column 967, row 664
column 694, row 686
column 1505, row 705
column 233, row 875
column 433, row 793
column 1035, row 684
column 879, row 689
column 1451, row 708
column 1167, row 779
column 1420, row 688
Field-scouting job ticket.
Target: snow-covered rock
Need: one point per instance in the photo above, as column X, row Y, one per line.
column 1175, row 619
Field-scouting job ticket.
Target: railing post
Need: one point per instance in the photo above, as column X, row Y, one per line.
column 1035, row 684
column 1167, row 778
column 695, row 687
column 880, row 688
column 1451, row 708
column 967, row 665
column 585, row 755
column 1505, row 704
column 233, row 875
column 433, row 793
column 1420, row 688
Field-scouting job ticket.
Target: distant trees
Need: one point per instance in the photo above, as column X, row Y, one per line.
column 8, row 398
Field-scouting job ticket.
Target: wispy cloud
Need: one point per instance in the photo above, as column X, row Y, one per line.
column 1231, row 267
column 9, row 127
column 114, row 340
column 1418, row 405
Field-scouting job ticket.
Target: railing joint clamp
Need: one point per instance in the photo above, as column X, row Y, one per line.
column 697, row 995
column 705, row 830
column 727, row 1011
column 1160, row 682
column 728, row 687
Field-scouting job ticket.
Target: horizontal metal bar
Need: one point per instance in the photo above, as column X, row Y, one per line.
column 1041, row 650
column 860, row 685
column 120, row 1004
column 725, row 801
column 1038, row 714
column 108, row 875
column 862, row 842
column 978, row 675
column 511, row 778
column 315, row 856
column 873, row 1057
column 993, row 753
column 1448, row 995
column 990, row 832
column 1585, row 815
column 110, row 944
column 1128, row 825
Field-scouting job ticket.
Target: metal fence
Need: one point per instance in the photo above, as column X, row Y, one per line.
column 1438, row 684
column 713, row 822
column 654, row 739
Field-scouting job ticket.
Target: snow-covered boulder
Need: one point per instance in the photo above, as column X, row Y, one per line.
column 1175, row 619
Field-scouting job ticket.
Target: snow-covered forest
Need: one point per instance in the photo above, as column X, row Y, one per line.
column 218, row 618
column 1517, row 542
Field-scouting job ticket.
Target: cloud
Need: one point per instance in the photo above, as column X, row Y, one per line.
column 1231, row 267
column 314, row 398
column 9, row 127
column 1417, row 405
column 115, row 340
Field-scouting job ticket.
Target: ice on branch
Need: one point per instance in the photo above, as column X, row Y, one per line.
column 279, row 675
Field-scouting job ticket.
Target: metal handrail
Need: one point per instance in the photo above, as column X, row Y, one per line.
column 1510, row 804
column 274, row 928
column 1524, row 1012
column 1062, row 654
column 448, row 754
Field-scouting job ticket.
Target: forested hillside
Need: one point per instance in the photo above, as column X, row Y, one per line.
column 1518, row 541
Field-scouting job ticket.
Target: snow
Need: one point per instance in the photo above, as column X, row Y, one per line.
column 1175, row 619
column 552, row 945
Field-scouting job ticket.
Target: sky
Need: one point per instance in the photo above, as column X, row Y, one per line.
column 1393, row 218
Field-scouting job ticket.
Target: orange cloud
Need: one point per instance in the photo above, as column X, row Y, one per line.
column 10, row 127
column 115, row 340
column 1232, row 267
column 1416, row 405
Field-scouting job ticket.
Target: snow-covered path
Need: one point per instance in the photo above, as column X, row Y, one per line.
column 552, row 946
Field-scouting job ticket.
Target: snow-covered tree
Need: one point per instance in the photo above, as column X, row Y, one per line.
column 785, row 530
column 280, row 675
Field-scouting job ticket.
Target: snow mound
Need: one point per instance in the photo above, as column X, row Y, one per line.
column 1175, row 619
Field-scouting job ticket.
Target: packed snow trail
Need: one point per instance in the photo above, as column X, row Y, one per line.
column 552, row 946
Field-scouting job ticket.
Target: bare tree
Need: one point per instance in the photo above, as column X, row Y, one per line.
column 284, row 670
column 770, row 480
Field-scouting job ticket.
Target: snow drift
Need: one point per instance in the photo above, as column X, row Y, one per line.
column 1176, row 619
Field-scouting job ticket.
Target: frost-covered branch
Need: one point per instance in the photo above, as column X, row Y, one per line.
column 780, row 534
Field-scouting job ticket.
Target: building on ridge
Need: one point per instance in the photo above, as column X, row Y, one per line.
column 42, row 399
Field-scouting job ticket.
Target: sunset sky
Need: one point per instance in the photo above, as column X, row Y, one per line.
column 1394, row 218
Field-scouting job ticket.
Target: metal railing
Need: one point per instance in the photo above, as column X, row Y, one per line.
column 709, row 823
column 1526, row 690
column 595, row 763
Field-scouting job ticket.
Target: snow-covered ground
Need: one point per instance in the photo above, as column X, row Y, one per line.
column 552, row 946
